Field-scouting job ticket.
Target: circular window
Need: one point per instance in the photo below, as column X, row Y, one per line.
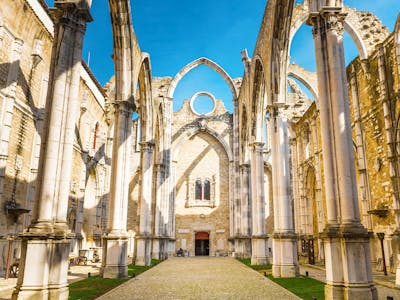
column 202, row 103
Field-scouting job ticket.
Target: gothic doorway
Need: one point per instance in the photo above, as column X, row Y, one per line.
column 202, row 244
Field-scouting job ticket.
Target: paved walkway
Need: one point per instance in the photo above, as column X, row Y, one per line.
column 199, row 278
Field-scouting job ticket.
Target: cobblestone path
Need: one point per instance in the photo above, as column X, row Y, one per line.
column 199, row 278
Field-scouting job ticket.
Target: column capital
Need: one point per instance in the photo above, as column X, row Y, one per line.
column 244, row 167
column 72, row 13
column 258, row 146
column 160, row 167
column 328, row 19
column 123, row 107
column 146, row 146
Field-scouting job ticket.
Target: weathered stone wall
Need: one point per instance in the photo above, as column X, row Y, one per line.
column 26, row 39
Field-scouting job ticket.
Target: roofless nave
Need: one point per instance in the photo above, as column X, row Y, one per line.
column 319, row 186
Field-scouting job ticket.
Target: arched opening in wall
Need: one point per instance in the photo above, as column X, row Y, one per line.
column 202, row 75
column 202, row 192
column 244, row 135
column 95, row 136
column 258, row 103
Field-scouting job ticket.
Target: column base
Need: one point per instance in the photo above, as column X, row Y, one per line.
column 143, row 251
column 285, row 263
column 46, row 258
column 259, row 250
column 115, row 257
column 348, row 263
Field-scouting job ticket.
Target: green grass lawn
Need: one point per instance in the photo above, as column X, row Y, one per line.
column 93, row 287
column 304, row 287
column 247, row 262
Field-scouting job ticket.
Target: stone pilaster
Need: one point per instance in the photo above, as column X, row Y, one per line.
column 158, row 213
column 45, row 245
column 285, row 262
column 245, row 240
column 115, row 242
column 258, row 237
column 347, row 249
column 143, row 255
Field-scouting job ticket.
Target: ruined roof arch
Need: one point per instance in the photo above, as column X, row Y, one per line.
column 365, row 29
column 308, row 78
column 193, row 65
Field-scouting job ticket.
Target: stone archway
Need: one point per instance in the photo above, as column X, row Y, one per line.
column 196, row 63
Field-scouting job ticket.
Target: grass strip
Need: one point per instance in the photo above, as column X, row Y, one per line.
column 247, row 262
column 93, row 287
column 304, row 287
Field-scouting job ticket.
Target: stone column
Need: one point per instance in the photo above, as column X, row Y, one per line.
column 46, row 244
column 143, row 255
column 245, row 210
column 169, row 176
column 115, row 243
column 347, row 249
column 285, row 262
column 258, row 237
column 158, row 214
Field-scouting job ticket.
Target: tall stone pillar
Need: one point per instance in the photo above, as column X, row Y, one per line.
column 158, row 214
column 170, row 171
column 285, row 262
column 245, row 211
column 46, row 244
column 115, row 243
column 258, row 237
column 143, row 255
column 347, row 248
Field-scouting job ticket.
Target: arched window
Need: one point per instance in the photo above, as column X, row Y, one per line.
column 207, row 192
column 96, row 131
column 199, row 190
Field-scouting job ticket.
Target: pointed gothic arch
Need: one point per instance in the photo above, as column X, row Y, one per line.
column 193, row 65
column 144, row 103
column 258, row 101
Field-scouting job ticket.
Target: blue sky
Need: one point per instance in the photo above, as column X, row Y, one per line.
column 176, row 32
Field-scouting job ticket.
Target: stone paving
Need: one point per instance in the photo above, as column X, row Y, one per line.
column 199, row 278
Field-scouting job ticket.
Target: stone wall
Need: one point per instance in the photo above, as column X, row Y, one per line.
column 26, row 37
